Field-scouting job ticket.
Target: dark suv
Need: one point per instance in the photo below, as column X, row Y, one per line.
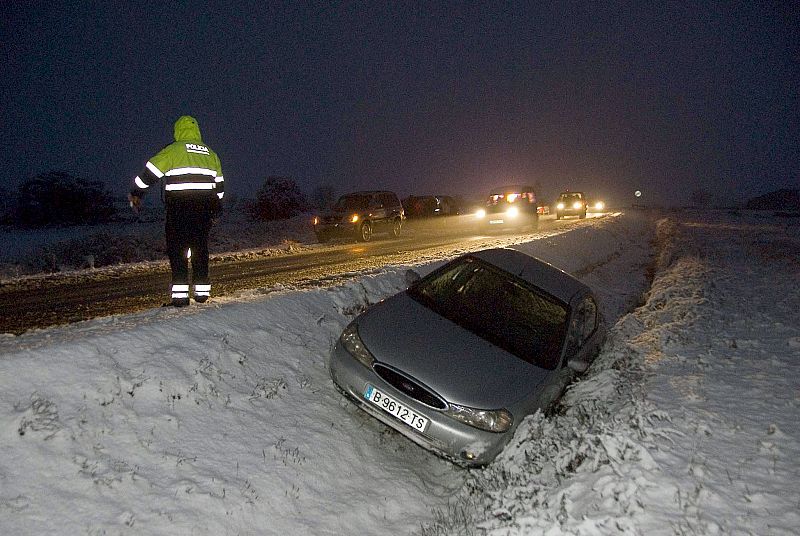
column 360, row 214
column 512, row 206
column 571, row 204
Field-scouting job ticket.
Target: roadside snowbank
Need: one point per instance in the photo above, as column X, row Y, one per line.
column 222, row 419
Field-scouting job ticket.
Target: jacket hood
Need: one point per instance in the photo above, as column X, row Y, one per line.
column 187, row 129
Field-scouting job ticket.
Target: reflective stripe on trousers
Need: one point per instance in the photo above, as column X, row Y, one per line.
column 202, row 290
column 180, row 291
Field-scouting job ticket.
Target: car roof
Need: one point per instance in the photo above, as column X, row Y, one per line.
column 511, row 188
column 535, row 271
column 568, row 192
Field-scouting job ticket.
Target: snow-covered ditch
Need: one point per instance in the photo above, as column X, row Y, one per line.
column 222, row 419
column 687, row 423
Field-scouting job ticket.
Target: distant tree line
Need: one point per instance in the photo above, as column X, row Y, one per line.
column 58, row 198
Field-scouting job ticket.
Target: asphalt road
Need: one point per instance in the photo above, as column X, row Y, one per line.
column 65, row 298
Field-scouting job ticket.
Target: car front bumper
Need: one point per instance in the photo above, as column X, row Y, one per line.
column 454, row 440
column 499, row 220
column 336, row 229
column 571, row 211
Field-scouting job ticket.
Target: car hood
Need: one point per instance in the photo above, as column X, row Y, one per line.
column 457, row 364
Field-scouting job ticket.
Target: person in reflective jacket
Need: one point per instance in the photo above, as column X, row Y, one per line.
column 193, row 191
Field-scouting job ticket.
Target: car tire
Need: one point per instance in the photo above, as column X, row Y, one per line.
column 535, row 224
column 365, row 232
column 322, row 238
column 397, row 226
column 583, row 215
column 558, row 216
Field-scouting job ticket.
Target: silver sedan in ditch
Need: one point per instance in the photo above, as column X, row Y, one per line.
column 456, row 362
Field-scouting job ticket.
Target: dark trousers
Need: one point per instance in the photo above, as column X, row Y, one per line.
column 188, row 224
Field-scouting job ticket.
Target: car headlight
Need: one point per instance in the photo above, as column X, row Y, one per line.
column 599, row 205
column 560, row 206
column 512, row 212
column 480, row 213
column 498, row 420
column 316, row 220
column 355, row 346
column 354, row 218
column 577, row 205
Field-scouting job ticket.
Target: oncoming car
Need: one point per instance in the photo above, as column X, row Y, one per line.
column 456, row 361
column 571, row 204
column 361, row 214
column 512, row 206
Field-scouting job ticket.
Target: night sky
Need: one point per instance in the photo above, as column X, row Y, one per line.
column 421, row 98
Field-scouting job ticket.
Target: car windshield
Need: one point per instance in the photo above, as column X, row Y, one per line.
column 568, row 198
column 497, row 307
column 352, row 202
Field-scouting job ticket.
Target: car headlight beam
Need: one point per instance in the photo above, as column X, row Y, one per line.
column 498, row 420
column 560, row 206
column 480, row 213
column 352, row 342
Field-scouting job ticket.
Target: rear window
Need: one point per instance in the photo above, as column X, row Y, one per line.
column 389, row 200
column 515, row 196
column 498, row 307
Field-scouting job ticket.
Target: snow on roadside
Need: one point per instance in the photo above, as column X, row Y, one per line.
column 222, row 419
column 28, row 252
column 687, row 421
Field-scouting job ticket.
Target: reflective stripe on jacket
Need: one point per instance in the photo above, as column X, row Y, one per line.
column 186, row 165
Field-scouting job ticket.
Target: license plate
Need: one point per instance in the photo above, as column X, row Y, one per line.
column 496, row 221
column 396, row 409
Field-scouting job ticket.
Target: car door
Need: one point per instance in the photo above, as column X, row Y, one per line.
column 584, row 328
column 393, row 208
column 374, row 209
column 385, row 210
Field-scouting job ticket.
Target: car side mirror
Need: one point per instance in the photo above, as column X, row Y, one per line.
column 412, row 277
column 578, row 365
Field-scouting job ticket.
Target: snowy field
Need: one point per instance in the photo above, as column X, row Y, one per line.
column 222, row 419
column 30, row 252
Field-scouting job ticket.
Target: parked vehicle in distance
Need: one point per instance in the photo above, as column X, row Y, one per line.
column 427, row 206
column 361, row 214
column 512, row 206
column 456, row 361
column 571, row 204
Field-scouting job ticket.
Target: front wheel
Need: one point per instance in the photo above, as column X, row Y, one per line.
column 365, row 232
column 397, row 225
